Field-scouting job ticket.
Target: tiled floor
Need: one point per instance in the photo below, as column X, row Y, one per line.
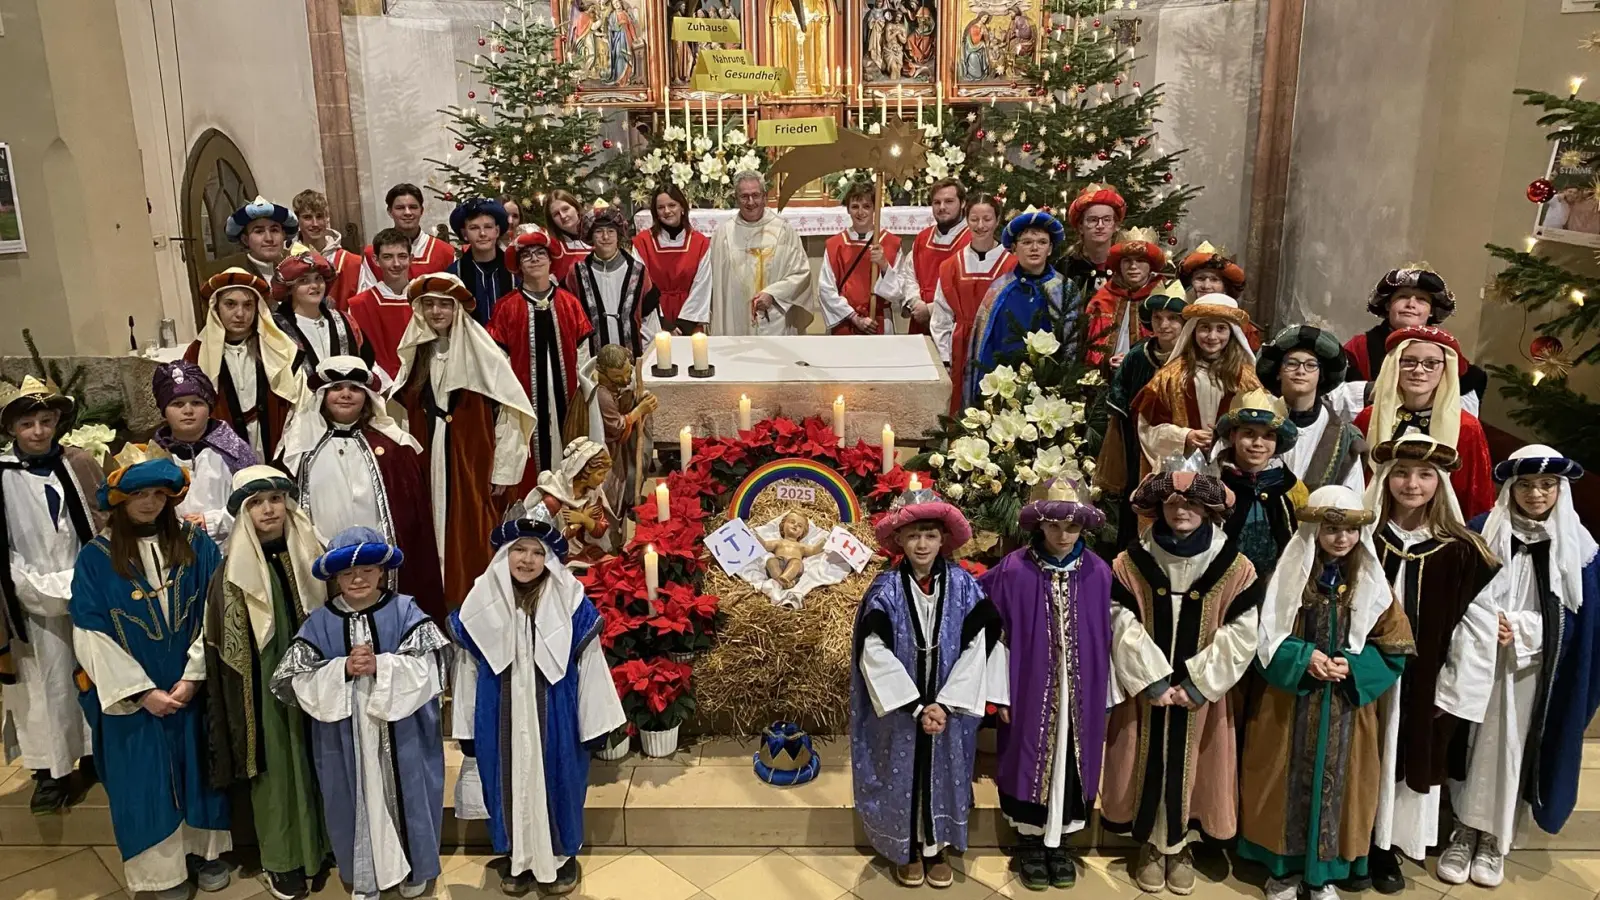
column 761, row 873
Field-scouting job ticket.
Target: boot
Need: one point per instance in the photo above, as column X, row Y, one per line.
column 1150, row 870
column 1063, row 871
column 1180, row 872
column 1032, row 868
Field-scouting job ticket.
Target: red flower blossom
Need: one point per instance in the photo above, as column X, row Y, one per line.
column 892, row 483
column 631, row 676
column 862, row 459
column 973, row 567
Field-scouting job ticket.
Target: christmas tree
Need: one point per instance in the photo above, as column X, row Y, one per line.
column 1091, row 123
column 521, row 130
column 1543, row 400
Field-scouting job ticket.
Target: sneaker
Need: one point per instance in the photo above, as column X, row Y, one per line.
column 1284, row 888
column 285, row 885
column 412, row 891
column 910, row 874
column 1326, row 892
column 516, row 885
column 50, row 795
column 362, row 895
column 566, row 878
column 1150, row 870
column 1180, row 872
column 1489, row 863
column 939, row 873
column 1383, row 868
column 1063, row 871
column 213, row 876
column 1032, row 868
column 1457, row 856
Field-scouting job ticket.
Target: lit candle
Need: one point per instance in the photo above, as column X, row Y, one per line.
column 919, row 109
column 685, row 447
column 702, row 355
column 1575, row 83
column 663, row 506
column 861, row 107
column 938, row 112
column 900, row 102
column 744, row 412
column 838, row 418
column 719, row 124
column 888, row 447
column 705, row 119
column 666, row 109
column 688, row 123
column 664, row 349
column 652, row 573
column 914, row 483
column 744, row 111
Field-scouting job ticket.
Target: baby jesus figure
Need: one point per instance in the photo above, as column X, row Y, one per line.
column 788, row 553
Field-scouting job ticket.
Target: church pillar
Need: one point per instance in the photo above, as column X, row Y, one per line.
column 1269, row 183
column 333, row 119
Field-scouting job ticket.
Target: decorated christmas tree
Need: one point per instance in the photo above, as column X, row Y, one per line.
column 521, row 132
column 1541, row 396
column 1092, row 122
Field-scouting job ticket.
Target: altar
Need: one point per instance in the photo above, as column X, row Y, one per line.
column 807, row 221
column 897, row 380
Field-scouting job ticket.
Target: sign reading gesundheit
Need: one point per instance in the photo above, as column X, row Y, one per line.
column 797, row 132
column 721, row 31
column 742, row 79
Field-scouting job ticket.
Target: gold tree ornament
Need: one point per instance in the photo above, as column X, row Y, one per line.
column 1592, row 42
column 1571, row 159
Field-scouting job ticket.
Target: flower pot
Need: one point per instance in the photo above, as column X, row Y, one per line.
column 658, row 744
column 682, row 656
column 617, row 751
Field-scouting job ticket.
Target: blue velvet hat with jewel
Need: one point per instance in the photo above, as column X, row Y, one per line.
column 534, row 523
column 357, row 545
column 261, row 208
column 1537, row 459
column 1033, row 218
column 786, row 757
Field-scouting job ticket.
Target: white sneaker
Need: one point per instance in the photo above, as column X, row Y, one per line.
column 1457, row 856
column 358, row 895
column 1283, row 889
column 1326, row 892
column 1489, row 863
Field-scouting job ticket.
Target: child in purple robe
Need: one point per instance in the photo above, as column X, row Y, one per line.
column 923, row 638
column 1054, row 602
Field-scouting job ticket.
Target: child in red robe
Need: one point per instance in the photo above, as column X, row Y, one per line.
column 1114, row 309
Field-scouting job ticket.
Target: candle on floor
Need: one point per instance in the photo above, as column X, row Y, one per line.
column 663, row 350
column 744, row 412
column 702, row 355
column 888, row 447
column 838, row 418
column 652, row 573
column 914, row 483
column 663, row 505
column 685, row 447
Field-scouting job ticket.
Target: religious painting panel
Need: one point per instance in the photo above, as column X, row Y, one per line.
column 899, row 42
column 811, row 49
column 681, row 55
column 988, row 44
column 609, row 41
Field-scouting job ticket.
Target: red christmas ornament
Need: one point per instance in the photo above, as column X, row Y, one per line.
column 1136, row 84
column 1172, row 242
column 460, row 146
column 1061, row 167
column 1117, row 82
column 538, row 95
column 472, row 95
column 1027, row 147
column 1014, row 85
column 449, row 196
column 1096, row 23
column 500, row 49
column 482, row 41
column 1540, row 190
column 981, row 134
column 1102, row 156
column 1544, row 347
column 1167, row 177
column 1067, row 67
column 527, row 157
column 1142, row 142
column 1166, row 226
column 606, row 143
column 588, row 148
column 493, row 91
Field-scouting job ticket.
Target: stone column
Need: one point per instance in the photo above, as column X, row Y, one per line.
column 333, row 119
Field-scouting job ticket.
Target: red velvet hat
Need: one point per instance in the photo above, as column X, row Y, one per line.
column 528, row 236
column 1093, row 195
column 918, row 506
column 1140, row 243
column 440, row 284
column 234, row 278
column 294, row 268
column 1432, row 335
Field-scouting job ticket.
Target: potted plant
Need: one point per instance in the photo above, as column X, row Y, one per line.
column 655, row 696
column 615, row 745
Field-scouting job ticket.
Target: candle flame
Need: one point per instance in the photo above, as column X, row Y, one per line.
column 1575, row 83
column 1577, row 296
column 1531, row 242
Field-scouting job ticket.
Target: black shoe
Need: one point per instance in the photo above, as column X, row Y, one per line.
column 1355, row 884
column 320, row 880
column 1033, row 869
column 1383, row 866
column 566, row 878
column 516, row 885
column 287, row 885
column 50, row 795
column 1063, row 871
column 88, row 775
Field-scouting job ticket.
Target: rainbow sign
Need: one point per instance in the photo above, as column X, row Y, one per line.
column 795, row 467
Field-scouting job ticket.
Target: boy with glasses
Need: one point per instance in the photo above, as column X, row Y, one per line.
column 1303, row 365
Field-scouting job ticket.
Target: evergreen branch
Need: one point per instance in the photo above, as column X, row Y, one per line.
column 1534, row 282
column 1566, row 116
column 1559, row 415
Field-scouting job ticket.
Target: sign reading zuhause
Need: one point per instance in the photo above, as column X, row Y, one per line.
column 798, row 132
column 720, row 31
column 742, row 79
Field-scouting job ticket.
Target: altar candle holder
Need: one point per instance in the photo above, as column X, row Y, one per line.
column 663, row 366
column 702, row 367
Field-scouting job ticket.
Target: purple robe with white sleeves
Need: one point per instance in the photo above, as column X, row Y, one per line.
column 906, row 781
column 1037, row 629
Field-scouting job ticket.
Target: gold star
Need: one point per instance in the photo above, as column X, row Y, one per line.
column 1592, row 42
column 1570, row 159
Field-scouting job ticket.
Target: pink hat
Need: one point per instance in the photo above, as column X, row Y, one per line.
column 917, row 506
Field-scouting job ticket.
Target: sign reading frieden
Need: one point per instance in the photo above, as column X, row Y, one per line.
column 797, row 132
column 721, row 31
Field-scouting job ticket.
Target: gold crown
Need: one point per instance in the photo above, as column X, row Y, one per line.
column 1260, row 399
column 1147, row 235
column 30, row 387
column 133, row 454
column 1207, row 248
column 1061, row 489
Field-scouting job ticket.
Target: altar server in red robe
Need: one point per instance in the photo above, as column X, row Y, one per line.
column 933, row 245
column 563, row 217
column 249, row 359
column 311, row 209
column 382, row 311
column 852, row 303
column 546, row 332
column 472, row 418
column 964, row 279
column 678, row 260
column 428, row 253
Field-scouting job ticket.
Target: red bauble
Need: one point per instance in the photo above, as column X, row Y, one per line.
column 1172, row 242
column 449, row 196
column 982, row 134
column 1544, row 347
column 538, row 95
column 1540, row 190
column 1136, row 84
column 1067, row 67
column 1027, row 147
column 1117, row 82
column 500, row 49
column 527, row 157
column 1061, row 167
column 606, row 143
column 1102, row 156
column 588, row 148
column 460, row 146
column 1142, row 142
column 1166, row 226
column 493, row 91
column 472, row 95
column 1096, row 23
column 1167, row 177
column 482, row 41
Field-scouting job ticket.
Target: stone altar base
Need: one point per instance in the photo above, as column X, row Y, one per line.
column 898, row 379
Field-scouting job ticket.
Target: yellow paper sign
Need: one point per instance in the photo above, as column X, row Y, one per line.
column 717, row 31
column 742, row 79
column 798, row 132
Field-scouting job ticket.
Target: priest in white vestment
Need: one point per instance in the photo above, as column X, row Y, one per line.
column 760, row 275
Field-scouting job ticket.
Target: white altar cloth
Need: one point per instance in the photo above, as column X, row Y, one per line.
column 808, row 221
column 897, row 379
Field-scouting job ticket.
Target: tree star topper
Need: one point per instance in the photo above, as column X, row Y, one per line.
column 896, row 153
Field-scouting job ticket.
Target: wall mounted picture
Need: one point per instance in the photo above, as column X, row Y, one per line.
column 1572, row 214
column 899, row 42
column 609, row 41
column 11, row 238
column 990, row 41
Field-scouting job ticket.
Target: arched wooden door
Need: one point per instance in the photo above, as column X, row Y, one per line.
column 216, row 181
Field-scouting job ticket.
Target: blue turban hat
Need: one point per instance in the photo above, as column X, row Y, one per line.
column 357, row 545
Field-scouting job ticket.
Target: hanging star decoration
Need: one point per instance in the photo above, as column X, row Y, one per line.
column 1592, row 42
column 897, row 152
column 1570, row 159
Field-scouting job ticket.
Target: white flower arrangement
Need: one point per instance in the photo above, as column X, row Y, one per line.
column 700, row 165
column 94, row 440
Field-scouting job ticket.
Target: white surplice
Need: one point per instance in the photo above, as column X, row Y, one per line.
column 42, row 724
column 210, row 485
column 122, row 682
column 750, row 258
column 942, row 320
column 1297, row 459
column 404, row 683
column 240, row 363
column 1407, row 821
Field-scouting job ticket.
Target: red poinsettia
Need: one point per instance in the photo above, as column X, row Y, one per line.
column 861, row 460
column 678, row 538
column 631, row 676
column 709, row 450
column 692, row 484
column 891, row 484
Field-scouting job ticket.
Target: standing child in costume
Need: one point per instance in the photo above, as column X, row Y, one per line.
column 368, row 667
column 257, row 601
column 1054, row 602
column 531, row 690
column 1303, row 365
column 1185, row 616
column 209, row 449
column 1436, row 566
column 138, row 600
column 1253, row 437
column 918, row 687
column 1333, row 640
column 1209, row 365
column 1114, row 320
column 1520, row 666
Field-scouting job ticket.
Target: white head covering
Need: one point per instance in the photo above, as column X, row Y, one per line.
column 1414, row 447
column 1226, row 308
column 246, row 564
column 489, row 614
column 557, row 481
column 307, row 425
column 1572, row 547
column 1297, row 566
column 1445, row 422
column 277, row 349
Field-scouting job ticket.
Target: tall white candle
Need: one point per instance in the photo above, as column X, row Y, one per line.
column 664, row 349
column 861, row 107
column 900, row 102
column 688, row 123
column 705, row 119
column 702, row 354
column 720, row 139
column 744, row 412
column 685, row 447
column 744, row 112
column 663, row 504
column 652, row 573
column 938, row 106
column 883, row 108
column 666, row 109
column 888, row 447
column 838, row 418
column 919, row 109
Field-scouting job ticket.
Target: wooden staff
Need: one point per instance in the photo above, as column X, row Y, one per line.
column 877, row 228
column 638, row 437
